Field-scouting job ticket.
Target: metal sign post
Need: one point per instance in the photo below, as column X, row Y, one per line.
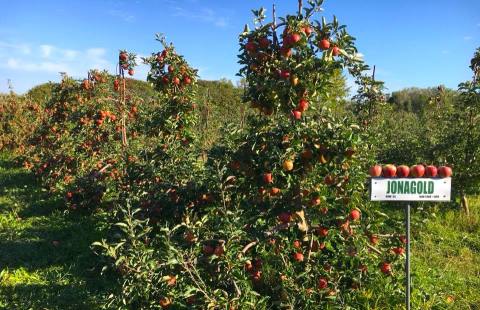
column 410, row 189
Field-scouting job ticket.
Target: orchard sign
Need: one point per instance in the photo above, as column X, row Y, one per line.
column 421, row 189
column 416, row 183
column 410, row 184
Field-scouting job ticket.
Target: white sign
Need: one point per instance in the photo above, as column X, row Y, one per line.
column 411, row 189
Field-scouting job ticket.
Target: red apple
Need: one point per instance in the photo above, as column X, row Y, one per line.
column 398, row 250
column 176, row 81
column 123, row 56
column 284, row 74
column 445, row 172
column 302, row 105
column 187, row 80
column 431, row 171
column 131, row 72
column 267, row 177
column 417, row 171
column 298, row 257
column 250, row 46
column 322, row 231
column 354, row 215
column 171, row 69
column 324, row 44
column 375, row 171
column 307, row 30
column 386, row 268
column 389, row 171
column 264, row 42
column 285, row 217
column 285, row 51
column 322, row 283
column 295, row 38
column 335, row 51
column 403, row 171
column 296, row 114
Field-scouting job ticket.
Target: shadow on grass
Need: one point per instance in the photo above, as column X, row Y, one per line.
column 46, row 241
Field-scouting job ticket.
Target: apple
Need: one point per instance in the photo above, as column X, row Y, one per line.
column 354, row 215
column 264, row 42
column 288, row 165
column 165, row 80
column 131, row 72
column 298, row 257
column 417, row 171
column 116, row 85
column 302, row 105
column 389, row 171
column 176, row 81
column 322, row 231
column 285, row 217
column 165, row 302
column 267, row 177
column 324, row 44
column 306, row 154
column 295, row 38
column 315, row 201
column 307, row 30
column 297, row 244
column 285, row 51
column 329, row 180
column 123, row 56
column 431, row 171
column 373, row 239
column 171, row 69
column 250, row 47
column 375, row 171
column 257, row 275
column 386, row 268
column 219, row 250
column 398, row 250
column 208, row 250
column 335, row 51
column 322, row 283
column 403, row 171
column 445, row 172
column 187, row 80
column 274, row 191
column 284, row 74
column 296, row 114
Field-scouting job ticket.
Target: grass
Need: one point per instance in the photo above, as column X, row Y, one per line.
column 46, row 261
column 45, row 256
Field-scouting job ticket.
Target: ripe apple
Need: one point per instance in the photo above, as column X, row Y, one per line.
column 165, row 80
column 296, row 114
column 417, row 171
column 398, row 250
column 250, row 47
column 298, row 257
column 176, row 81
column 389, row 171
column 322, row 231
column 375, row 171
column 403, row 171
column 288, row 165
column 302, row 105
column 208, row 250
column 131, row 72
column 322, row 283
column 315, row 201
column 431, row 171
column 264, row 42
column 187, row 80
column 324, row 44
column 123, row 56
column 267, row 177
column 219, row 250
column 354, row 215
column 373, row 239
column 285, row 51
column 297, row 244
column 165, row 302
column 335, row 51
column 307, row 30
column 386, row 268
column 295, row 38
column 445, row 172
column 285, row 217
column 274, row 191
column 306, row 154
column 284, row 74
column 116, row 85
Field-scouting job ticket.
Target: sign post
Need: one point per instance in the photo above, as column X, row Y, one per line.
column 410, row 189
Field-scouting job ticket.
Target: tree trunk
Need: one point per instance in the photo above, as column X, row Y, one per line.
column 464, row 204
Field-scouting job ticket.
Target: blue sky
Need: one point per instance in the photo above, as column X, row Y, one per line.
column 412, row 43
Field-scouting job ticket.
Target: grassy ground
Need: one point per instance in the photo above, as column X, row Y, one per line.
column 45, row 256
column 46, row 261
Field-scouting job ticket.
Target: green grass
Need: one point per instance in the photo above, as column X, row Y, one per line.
column 36, row 272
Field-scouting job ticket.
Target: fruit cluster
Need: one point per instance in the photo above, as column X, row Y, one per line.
column 126, row 61
column 416, row 171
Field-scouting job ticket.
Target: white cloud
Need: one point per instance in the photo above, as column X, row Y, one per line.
column 52, row 59
column 122, row 15
column 46, row 50
column 206, row 15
